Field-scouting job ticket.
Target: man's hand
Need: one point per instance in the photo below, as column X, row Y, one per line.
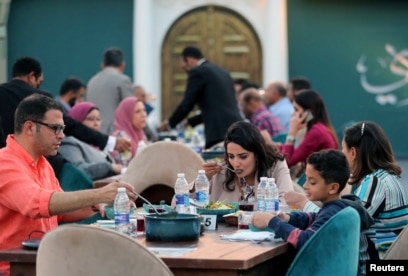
column 123, row 144
column 164, row 126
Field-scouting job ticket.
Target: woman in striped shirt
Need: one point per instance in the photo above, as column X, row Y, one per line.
column 375, row 180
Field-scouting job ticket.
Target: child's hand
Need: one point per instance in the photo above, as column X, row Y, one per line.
column 294, row 199
column 283, row 216
column 261, row 219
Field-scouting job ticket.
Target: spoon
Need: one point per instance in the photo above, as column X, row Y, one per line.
column 231, row 170
column 148, row 202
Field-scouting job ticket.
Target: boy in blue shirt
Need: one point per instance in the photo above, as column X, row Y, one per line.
column 327, row 173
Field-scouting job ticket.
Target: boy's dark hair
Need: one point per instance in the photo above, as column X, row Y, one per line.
column 24, row 66
column 70, row 84
column 113, row 57
column 34, row 108
column 193, row 52
column 332, row 165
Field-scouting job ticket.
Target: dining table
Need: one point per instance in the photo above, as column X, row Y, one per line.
column 210, row 255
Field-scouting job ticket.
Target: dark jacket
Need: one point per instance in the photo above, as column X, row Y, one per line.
column 13, row 92
column 212, row 89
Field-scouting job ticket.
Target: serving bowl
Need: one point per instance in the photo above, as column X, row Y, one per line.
column 161, row 208
column 172, row 227
column 219, row 212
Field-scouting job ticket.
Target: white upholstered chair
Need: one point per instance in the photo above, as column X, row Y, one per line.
column 399, row 248
column 160, row 162
column 87, row 250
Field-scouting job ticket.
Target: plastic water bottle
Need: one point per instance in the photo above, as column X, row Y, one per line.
column 202, row 187
column 260, row 194
column 272, row 196
column 182, row 194
column 121, row 207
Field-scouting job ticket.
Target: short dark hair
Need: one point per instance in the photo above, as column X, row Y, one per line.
column 300, row 83
column 250, row 94
column 71, row 84
column 247, row 85
column 191, row 51
column 373, row 148
column 332, row 165
column 113, row 57
column 240, row 81
column 24, row 66
column 280, row 88
column 33, row 107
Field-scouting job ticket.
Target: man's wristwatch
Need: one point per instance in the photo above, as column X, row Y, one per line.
column 290, row 138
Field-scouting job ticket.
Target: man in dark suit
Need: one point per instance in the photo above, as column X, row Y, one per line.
column 26, row 79
column 212, row 89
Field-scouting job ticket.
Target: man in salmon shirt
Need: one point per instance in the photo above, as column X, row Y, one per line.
column 31, row 198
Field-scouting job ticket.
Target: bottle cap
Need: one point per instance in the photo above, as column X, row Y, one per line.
column 264, row 178
column 180, row 175
column 201, row 171
column 121, row 189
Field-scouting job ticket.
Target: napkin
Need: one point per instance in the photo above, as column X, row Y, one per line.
column 248, row 235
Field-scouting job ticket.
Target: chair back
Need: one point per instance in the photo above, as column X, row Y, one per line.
column 160, row 162
column 399, row 248
column 87, row 250
column 333, row 249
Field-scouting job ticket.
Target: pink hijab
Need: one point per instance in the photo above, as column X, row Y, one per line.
column 80, row 110
column 123, row 121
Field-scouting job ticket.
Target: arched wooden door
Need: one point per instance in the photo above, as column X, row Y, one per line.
column 224, row 37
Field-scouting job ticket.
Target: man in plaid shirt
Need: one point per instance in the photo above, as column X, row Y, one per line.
column 255, row 110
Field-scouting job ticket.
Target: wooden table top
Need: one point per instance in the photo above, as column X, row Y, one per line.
column 209, row 253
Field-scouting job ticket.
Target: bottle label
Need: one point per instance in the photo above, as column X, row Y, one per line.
column 276, row 205
column 121, row 218
column 180, row 199
column 261, row 205
column 202, row 197
column 182, row 203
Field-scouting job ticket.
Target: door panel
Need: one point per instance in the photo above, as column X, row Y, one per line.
column 224, row 37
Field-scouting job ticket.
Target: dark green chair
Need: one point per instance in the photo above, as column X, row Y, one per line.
column 333, row 249
column 73, row 179
column 280, row 138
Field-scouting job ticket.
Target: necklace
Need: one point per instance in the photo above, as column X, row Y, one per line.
column 246, row 190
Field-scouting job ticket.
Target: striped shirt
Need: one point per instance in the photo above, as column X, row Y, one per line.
column 385, row 200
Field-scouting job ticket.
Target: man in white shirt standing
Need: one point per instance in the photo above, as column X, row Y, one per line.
column 109, row 87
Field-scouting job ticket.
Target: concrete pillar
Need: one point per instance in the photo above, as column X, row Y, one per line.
column 275, row 49
column 4, row 12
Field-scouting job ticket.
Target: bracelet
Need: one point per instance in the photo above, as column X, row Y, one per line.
column 290, row 138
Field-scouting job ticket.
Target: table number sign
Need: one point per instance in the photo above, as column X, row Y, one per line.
column 210, row 222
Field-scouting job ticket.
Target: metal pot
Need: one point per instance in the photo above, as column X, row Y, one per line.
column 172, row 227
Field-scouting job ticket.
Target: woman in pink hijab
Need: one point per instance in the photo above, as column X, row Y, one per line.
column 86, row 113
column 130, row 116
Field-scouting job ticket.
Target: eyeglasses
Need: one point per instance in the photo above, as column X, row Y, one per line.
column 56, row 128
